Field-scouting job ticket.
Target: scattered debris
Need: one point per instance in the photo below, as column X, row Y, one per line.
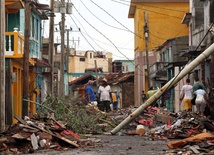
column 72, row 124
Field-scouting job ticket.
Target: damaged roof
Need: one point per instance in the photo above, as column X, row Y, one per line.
column 82, row 80
column 114, row 79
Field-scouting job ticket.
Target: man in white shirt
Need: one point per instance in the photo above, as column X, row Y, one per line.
column 186, row 95
column 104, row 93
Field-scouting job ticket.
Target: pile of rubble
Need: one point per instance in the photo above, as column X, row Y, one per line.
column 186, row 132
column 58, row 129
column 192, row 132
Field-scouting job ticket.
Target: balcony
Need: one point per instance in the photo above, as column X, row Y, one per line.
column 157, row 71
column 14, row 43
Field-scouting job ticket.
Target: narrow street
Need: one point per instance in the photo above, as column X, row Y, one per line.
column 116, row 77
column 117, row 145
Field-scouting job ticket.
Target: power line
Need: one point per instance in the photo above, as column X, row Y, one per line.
column 152, row 11
column 164, row 8
column 120, row 22
column 102, row 20
column 92, row 38
column 102, row 35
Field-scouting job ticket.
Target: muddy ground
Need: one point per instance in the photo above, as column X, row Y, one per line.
column 117, row 145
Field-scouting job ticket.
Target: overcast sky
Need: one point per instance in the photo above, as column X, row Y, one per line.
column 104, row 26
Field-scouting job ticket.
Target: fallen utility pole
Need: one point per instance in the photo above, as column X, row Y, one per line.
column 166, row 87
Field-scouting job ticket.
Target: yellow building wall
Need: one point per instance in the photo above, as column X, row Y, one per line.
column 164, row 22
column 77, row 66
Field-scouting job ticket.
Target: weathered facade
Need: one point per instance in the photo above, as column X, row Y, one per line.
column 154, row 22
column 82, row 60
column 14, row 54
column 171, row 63
column 200, row 21
column 123, row 66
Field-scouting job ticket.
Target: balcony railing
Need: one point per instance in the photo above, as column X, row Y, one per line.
column 157, row 67
column 14, row 43
column 158, row 72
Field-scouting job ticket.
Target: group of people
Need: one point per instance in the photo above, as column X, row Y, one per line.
column 104, row 98
column 187, row 94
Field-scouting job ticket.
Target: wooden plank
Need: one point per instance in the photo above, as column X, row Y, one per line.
column 180, row 143
column 57, row 136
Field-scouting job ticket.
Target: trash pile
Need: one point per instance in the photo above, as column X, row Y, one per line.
column 63, row 123
column 60, row 123
column 192, row 132
column 29, row 135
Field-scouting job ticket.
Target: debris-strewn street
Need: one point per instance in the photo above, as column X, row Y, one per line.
column 86, row 130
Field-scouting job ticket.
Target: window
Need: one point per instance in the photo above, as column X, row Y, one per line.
column 82, row 59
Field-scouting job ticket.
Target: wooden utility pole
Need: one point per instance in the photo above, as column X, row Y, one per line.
column 68, row 50
column 51, row 46
column 2, row 65
column 95, row 62
column 26, row 58
column 62, row 63
column 146, row 34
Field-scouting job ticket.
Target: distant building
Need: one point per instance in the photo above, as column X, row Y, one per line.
column 82, row 62
column 123, row 66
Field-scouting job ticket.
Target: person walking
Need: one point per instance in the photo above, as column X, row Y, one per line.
column 143, row 96
column 186, row 95
column 151, row 92
column 104, row 93
column 115, row 99
column 89, row 93
column 200, row 100
column 196, row 85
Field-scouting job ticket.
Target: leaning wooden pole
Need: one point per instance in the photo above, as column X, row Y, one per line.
column 166, row 87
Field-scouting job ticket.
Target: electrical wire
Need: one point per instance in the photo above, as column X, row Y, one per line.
column 99, row 40
column 120, row 22
column 100, row 33
column 102, row 20
column 152, row 6
column 92, row 38
column 153, row 11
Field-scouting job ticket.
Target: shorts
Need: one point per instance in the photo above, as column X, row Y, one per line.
column 187, row 104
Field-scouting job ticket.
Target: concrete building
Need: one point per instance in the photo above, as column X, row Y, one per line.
column 80, row 62
column 155, row 21
column 123, row 66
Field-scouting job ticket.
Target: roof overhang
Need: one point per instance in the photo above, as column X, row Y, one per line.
column 40, row 63
column 13, row 6
column 186, row 19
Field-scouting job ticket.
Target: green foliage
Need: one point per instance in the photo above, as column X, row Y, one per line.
column 79, row 118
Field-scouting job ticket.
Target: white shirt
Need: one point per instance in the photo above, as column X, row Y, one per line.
column 104, row 93
column 187, row 90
